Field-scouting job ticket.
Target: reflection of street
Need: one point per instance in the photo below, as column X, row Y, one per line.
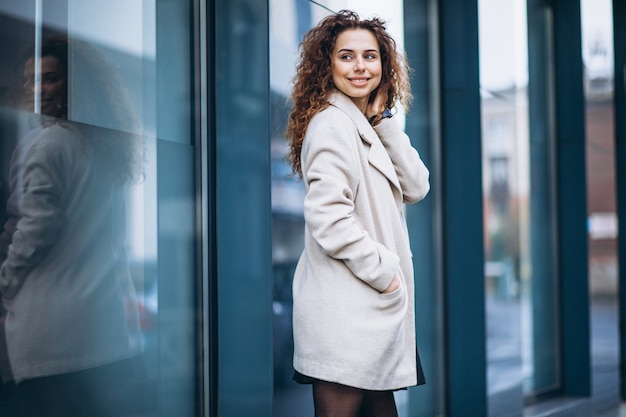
column 505, row 333
column 504, row 356
column 504, row 346
column 605, row 356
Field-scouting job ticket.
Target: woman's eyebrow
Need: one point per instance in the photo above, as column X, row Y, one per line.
column 351, row 50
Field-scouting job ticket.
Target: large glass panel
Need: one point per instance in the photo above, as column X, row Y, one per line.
column 240, row 168
column 542, row 346
column 289, row 20
column 597, row 53
column 505, row 188
column 97, row 177
column 520, row 276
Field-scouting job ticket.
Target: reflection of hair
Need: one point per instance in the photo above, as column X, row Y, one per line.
column 104, row 102
column 314, row 81
column 56, row 46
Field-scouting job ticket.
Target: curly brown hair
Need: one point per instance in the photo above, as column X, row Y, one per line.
column 313, row 81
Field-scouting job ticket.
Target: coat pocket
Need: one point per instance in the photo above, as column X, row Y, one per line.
column 396, row 301
column 390, row 297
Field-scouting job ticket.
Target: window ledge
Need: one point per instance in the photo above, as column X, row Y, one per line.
column 560, row 407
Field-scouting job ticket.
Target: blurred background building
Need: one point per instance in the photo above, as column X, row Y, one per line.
column 516, row 249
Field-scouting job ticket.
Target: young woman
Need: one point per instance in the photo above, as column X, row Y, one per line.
column 353, row 320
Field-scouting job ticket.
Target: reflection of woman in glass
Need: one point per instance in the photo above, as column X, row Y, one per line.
column 354, row 329
column 64, row 277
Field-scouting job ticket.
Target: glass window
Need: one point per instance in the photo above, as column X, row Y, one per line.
column 520, row 274
column 597, row 53
column 98, row 194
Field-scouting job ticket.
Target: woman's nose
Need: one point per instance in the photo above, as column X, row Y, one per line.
column 358, row 64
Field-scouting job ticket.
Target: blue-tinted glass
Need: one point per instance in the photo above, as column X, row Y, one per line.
column 518, row 188
column 506, row 191
column 97, row 175
column 599, row 87
column 242, row 169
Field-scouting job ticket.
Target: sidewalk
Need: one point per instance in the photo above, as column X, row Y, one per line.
column 605, row 401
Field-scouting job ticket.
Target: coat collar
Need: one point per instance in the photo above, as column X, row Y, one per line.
column 345, row 103
column 377, row 156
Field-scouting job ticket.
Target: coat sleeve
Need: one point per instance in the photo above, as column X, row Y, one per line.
column 331, row 173
column 39, row 213
column 410, row 169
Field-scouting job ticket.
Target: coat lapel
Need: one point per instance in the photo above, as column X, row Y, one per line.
column 377, row 155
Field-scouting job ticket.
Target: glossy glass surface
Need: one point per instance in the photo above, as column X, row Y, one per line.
column 599, row 88
column 115, row 194
column 518, row 188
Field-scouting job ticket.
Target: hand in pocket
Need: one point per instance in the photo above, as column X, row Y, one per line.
column 395, row 284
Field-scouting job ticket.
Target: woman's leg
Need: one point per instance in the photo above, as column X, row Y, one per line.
column 336, row 400
column 378, row 404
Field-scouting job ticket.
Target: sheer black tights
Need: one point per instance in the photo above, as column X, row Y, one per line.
column 335, row 400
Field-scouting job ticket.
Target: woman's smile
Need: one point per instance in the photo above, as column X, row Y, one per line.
column 359, row 81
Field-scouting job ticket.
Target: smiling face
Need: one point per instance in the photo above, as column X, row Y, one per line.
column 356, row 65
column 48, row 83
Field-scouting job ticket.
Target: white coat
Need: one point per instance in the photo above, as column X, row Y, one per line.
column 65, row 277
column 357, row 179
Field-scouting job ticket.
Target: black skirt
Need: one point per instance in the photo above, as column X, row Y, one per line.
column 421, row 379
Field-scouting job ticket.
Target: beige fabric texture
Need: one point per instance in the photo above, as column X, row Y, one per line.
column 357, row 178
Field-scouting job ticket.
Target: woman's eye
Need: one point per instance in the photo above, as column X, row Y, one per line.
column 51, row 77
column 346, row 57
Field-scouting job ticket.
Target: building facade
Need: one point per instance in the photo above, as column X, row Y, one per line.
column 516, row 237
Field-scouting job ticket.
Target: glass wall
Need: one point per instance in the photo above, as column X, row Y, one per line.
column 518, row 188
column 99, row 151
column 503, row 81
column 542, row 371
column 98, row 207
column 597, row 53
column 240, row 162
